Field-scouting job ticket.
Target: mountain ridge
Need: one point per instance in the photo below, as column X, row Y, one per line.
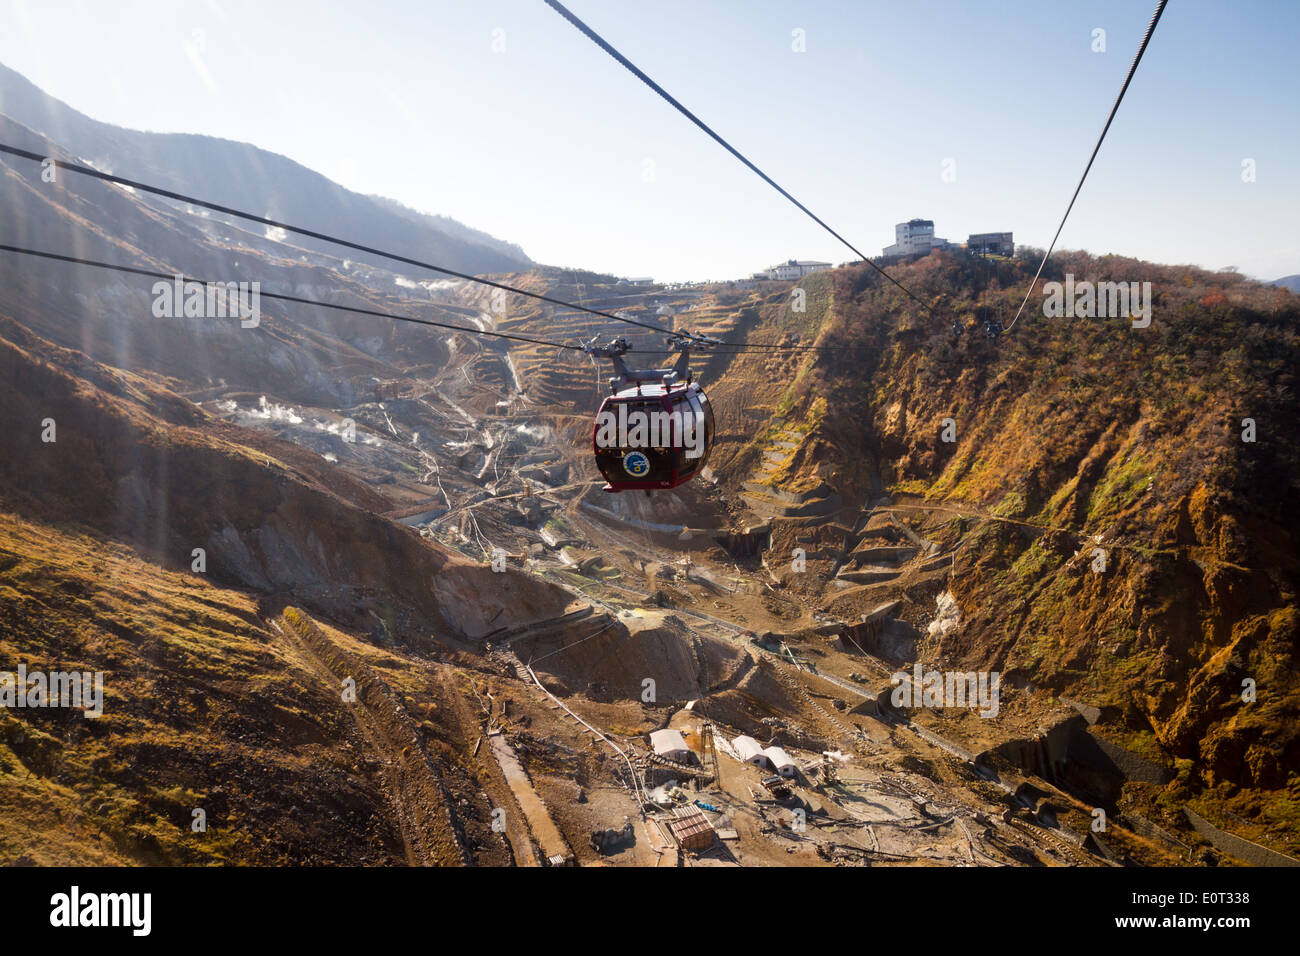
column 244, row 176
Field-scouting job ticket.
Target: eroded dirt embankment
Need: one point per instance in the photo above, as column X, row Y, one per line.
column 414, row 784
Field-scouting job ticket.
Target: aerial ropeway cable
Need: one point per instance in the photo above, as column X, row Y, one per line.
column 1137, row 58
column 170, row 277
column 360, row 247
column 627, row 64
column 992, row 328
column 701, row 341
column 672, row 423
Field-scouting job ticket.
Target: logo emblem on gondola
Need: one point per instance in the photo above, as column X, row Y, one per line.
column 636, row 464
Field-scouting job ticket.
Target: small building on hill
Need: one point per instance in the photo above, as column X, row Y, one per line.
column 990, row 244
column 915, row 238
column 792, row 269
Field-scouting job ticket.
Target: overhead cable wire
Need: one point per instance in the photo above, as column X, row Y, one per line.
column 77, row 260
column 310, row 233
column 730, row 348
column 1137, row 58
column 397, row 257
column 600, row 41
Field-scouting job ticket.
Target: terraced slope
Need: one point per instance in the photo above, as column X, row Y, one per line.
column 1086, row 444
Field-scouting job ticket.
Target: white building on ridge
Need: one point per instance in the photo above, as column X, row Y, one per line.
column 792, row 269
column 915, row 238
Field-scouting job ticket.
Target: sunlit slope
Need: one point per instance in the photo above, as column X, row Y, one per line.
column 1120, row 542
column 204, row 709
column 213, row 703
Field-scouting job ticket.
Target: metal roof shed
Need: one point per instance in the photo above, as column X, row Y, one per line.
column 692, row 830
column 781, row 761
column 750, row 750
column 670, row 744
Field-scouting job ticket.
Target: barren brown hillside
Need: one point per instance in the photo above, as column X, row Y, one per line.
column 1077, row 434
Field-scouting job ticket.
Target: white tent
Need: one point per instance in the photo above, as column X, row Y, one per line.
column 750, row 750
column 670, row 745
column 781, row 761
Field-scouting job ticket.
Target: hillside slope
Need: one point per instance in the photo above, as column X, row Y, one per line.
column 1116, row 540
column 141, row 466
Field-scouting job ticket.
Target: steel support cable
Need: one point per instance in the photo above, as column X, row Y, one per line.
column 730, row 347
column 335, row 240
column 538, row 660
column 1137, row 58
column 310, row 233
column 148, row 273
column 627, row 64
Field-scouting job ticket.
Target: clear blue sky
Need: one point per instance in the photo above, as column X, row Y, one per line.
column 546, row 143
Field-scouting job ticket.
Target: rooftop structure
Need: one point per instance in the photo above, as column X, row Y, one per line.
column 781, row 761
column 750, row 750
column 792, row 269
column 915, row 238
column 691, row 829
column 991, row 243
column 670, row 745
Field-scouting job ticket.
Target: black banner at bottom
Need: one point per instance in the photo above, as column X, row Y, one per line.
column 334, row 905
